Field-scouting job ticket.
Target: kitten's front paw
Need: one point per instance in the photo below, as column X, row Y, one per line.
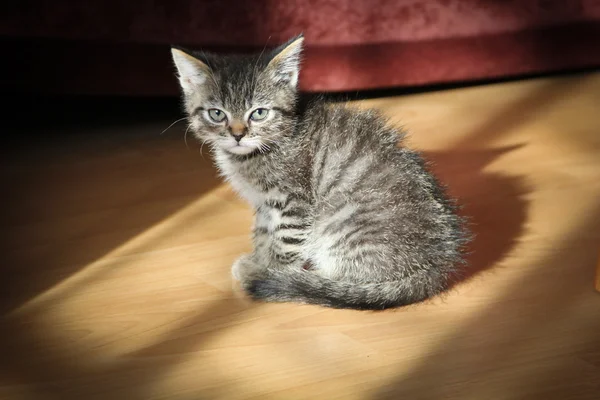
column 242, row 267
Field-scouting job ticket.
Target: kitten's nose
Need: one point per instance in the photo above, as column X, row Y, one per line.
column 238, row 137
column 238, row 130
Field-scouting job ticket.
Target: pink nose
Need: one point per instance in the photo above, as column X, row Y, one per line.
column 237, row 128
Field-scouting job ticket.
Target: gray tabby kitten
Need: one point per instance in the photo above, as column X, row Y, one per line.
column 345, row 218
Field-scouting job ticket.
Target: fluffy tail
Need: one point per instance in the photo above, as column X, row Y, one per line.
column 307, row 287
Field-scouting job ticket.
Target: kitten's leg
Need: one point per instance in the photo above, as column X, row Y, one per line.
column 261, row 238
column 250, row 263
column 289, row 234
column 279, row 245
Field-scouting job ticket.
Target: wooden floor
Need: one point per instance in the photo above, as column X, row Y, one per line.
column 117, row 244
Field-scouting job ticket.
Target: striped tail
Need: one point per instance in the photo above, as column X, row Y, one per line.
column 307, row 287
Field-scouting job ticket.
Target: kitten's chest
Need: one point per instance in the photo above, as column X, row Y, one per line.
column 245, row 181
column 250, row 192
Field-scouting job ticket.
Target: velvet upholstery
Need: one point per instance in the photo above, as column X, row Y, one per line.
column 115, row 47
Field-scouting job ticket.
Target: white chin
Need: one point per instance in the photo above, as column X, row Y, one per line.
column 240, row 150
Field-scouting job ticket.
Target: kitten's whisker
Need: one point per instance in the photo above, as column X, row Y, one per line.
column 263, row 147
column 185, row 136
column 201, row 147
column 169, row 127
column 258, row 59
column 260, row 147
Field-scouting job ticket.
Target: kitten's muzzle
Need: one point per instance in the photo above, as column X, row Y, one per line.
column 238, row 130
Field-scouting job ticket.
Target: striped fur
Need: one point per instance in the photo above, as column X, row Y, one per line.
column 345, row 216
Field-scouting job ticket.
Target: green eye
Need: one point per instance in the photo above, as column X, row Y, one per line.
column 217, row 115
column 259, row 114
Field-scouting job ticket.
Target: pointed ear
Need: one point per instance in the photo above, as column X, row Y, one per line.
column 285, row 62
column 192, row 72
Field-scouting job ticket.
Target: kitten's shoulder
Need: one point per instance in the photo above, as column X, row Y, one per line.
column 347, row 119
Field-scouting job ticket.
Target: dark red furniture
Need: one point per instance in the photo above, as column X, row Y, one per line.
column 121, row 47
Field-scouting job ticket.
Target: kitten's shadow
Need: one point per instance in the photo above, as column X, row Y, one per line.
column 493, row 203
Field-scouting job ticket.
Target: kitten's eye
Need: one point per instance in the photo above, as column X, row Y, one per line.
column 259, row 114
column 217, row 115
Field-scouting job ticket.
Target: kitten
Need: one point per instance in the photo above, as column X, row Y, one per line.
column 345, row 217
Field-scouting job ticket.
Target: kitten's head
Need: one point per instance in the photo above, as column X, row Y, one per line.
column 240, row 104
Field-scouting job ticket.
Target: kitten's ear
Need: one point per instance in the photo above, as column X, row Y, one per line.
column 285, row 63
column 192, row 72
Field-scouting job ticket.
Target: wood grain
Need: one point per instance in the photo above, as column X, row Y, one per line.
column 117, row 244
column 598, row 274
